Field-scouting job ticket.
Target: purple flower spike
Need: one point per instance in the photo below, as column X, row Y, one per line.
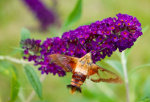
column 101, row 38
column 45, row 15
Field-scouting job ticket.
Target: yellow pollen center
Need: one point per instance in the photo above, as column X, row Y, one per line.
column 71, row 51
column 112, row 27
column 125, row 33
column 107, row 32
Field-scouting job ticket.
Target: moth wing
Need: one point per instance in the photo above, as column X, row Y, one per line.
column 68, row 63
column 99, row 74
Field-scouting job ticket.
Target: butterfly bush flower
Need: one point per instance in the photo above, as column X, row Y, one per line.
column 45, row 15
column 101, row 38
column 32, row 48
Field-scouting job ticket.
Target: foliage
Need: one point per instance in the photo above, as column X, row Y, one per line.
column 33, row 79
column 74, row 15
column 19, row 79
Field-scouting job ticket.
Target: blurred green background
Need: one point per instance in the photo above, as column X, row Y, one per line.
column 15, row 15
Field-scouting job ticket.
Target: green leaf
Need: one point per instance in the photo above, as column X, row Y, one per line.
column 15, row 86
column 33, row 79
column 16, row 50
column 145, row 99
column 74, row 15
column 43, row 101
column 5, row 68
column 10, row 70
column 116, row 65
column 138, row 68
column 25, row 34
column 96, row 94
column 145, row 29
column 146, row 91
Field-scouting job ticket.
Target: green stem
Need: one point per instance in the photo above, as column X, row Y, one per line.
column 124, row 63
column 15, row 60
column 21, row 95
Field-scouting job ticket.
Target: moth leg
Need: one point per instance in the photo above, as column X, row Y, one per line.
column 92, row 71
column 96, row 80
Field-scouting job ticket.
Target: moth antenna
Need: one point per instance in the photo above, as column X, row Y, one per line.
column 82, row 45
column 101, row 49
column 91, row 50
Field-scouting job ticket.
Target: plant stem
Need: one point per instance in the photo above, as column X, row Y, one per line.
column 124, row 63
column 15, row 60
column 32, row 94
column 21, row 96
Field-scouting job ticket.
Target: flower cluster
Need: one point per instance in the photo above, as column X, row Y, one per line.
column 101, row 38
column 45, row 15
column 31, row 49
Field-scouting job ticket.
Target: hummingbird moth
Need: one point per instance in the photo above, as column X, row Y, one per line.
column 83, row 68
